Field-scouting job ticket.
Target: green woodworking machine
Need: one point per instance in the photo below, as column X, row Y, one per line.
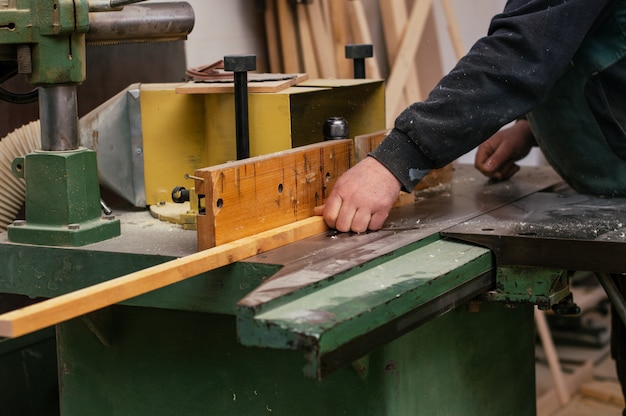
column 248, row 305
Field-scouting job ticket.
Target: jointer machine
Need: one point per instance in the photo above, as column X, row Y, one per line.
column 242, row 302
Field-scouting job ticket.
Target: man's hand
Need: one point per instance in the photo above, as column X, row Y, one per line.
column 496, row 157
column 361, row 198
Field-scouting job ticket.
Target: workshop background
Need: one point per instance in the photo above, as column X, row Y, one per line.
column 238, row 27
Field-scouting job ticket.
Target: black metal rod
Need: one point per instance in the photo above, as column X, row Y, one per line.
column 240, row 65
column 359, row 68
column 616, row 298
column 242, row 129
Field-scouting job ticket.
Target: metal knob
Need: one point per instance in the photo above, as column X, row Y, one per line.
column 358, row 53
column 336, row 128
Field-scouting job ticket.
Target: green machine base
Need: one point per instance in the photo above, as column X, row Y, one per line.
column 62, row 200
column 165, row 362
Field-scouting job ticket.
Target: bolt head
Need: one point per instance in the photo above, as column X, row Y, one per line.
column 240, row 63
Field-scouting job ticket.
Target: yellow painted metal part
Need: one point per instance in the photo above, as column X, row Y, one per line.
column 173, row 139
column 185, row 132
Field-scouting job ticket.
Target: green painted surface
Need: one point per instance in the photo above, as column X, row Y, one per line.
column 184, row 363
column 338, row 313
column 543, row 287
column 55, row 31
column 28, row 379
column 62, row 200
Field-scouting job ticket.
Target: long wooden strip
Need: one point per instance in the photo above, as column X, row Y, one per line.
column 62, row 308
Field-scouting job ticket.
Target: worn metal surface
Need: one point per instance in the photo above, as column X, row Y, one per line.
column 339, row 296
column 316, row 260
column 114, row 131
column 141, row 23
column 554, row 230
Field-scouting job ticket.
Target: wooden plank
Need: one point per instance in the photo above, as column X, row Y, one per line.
column 339, row 24
column 62, row 308
column 229, row 87
column 307, row 47
column 394, row 16
column 249, row 196
column 453, row 29
column 288, row 37
column 606, row 391
column 361, row 34
column 322, row 40
column 552, row 356
column 405, row 58
column 272, row 37
column 549, row 401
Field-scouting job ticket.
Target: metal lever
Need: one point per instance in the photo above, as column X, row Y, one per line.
column 240, row 65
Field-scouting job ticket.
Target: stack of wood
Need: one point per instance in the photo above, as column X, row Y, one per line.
column 309, row 36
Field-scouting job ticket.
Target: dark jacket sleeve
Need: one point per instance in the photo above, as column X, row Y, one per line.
column 503, row 76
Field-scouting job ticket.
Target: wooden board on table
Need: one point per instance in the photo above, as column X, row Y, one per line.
column 74, row 304
column 365, row 143
column 249, row 196
column 229, row 87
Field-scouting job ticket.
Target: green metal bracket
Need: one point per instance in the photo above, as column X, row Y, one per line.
column 543, row 287
column 54, row 33
column 62, row 200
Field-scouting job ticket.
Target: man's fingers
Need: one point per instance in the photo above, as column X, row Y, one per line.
column 509, row 170
column 377, row 220
column 345, row 218
column 360, row 221
column 330, row 210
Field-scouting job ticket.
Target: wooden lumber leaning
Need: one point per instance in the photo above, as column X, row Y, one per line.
column 272, row 37
column 361, row 34
column 339, row 27
column 322, row 41
column 394, row 16
column 307, row 47
column 288, row 37
column 405, row 57
column 62, row 308
column 245, row 197
column 453, row 29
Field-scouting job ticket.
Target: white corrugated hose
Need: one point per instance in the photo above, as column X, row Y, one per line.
column 19, row 142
